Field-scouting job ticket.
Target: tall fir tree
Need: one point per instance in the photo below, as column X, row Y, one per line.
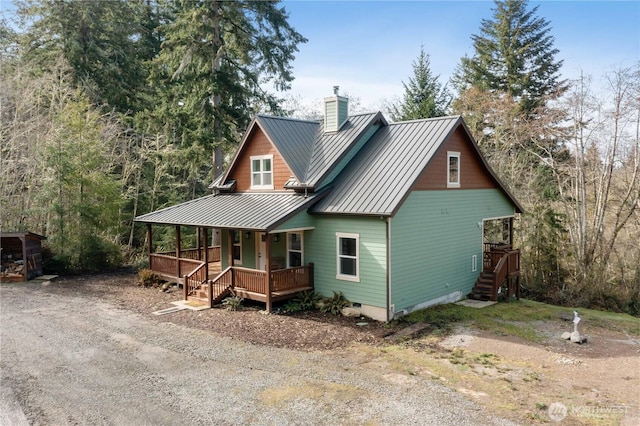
column 514, row 54
column 424, row 95
column 105, row 42
column 213, row 71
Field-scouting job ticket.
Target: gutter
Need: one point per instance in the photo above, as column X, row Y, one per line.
column 390, row 310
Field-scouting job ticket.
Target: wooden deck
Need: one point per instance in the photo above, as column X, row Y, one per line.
column 252, row 284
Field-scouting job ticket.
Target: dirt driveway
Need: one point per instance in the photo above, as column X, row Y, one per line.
column 81, row 352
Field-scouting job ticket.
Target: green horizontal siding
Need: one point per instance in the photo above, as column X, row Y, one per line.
column 320, row 248
column 434, row 236
column 299, row 221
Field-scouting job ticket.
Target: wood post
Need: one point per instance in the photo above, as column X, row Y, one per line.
column 205, row 231
column 267, row 267
column 311, row 279
column 178, row 249
column 231, row 239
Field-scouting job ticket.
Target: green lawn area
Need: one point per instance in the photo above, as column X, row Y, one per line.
column 518, row 318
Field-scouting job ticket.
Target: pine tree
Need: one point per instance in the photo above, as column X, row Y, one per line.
column 514, row 54
column 424, row 96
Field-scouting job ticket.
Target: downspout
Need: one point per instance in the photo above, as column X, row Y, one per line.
column 390, row 314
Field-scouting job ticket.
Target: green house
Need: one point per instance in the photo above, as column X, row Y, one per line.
column 396, row 216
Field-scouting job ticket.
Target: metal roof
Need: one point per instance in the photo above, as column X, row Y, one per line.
column 254, row 211
column 330, row 147
column 379, row 177
column 293, row 138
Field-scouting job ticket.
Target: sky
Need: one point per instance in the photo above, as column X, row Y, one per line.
column 367, row 47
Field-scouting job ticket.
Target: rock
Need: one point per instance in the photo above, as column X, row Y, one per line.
column 566, row 335
column 575, row 337
column 351, row 312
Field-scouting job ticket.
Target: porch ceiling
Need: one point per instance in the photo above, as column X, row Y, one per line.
column 261, row 212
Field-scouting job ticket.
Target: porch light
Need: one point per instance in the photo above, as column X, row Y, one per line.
column 276, row 238
column 247, row 235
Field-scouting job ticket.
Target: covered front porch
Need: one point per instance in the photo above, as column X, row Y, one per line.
column 253, row 264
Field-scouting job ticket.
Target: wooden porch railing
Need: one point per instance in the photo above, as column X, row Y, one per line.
column 168, row 265
column 194, row 254
column 508, row 268
column 249, row 279
column 292, row 278
column 195, row 279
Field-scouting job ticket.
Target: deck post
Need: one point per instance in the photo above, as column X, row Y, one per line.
column 178, row 249
column 149, row 243
column 205, row 232
column 198, row 243
column 231, row 239
column 267, row 267
column 311, row 280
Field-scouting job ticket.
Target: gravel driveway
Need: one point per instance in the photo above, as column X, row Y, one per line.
column 72, row 358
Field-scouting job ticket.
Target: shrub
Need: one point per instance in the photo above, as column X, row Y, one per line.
column 147, row 278
column 307, row 300
column 292, row 306
column 335, row 304
column 233, row 303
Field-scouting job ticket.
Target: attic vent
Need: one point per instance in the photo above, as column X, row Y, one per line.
column 336, row 111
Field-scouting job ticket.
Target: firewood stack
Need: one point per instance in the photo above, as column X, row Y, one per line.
column 13, row 272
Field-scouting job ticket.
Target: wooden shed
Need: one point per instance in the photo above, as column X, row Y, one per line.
column 21, row 256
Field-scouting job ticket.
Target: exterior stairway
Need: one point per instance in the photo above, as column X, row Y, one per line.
column 201, row 294
column 483, row 289
column 501, row 266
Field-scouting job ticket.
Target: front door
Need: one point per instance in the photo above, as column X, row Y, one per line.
column 261, row 250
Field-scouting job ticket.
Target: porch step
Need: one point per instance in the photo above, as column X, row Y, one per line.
column 483, row 288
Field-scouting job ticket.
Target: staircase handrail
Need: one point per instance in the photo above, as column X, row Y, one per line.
column 191, row 283
column 503, row 269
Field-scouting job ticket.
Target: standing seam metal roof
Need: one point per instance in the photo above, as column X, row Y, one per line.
column 256, row 211
column 293, row 138
column 379, row 177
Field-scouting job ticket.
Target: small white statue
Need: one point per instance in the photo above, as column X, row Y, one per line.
column 575, row 336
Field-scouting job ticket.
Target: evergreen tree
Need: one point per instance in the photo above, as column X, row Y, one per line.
column 514, row 54
column 212, row 73
column 105, row 42
column 424, row 96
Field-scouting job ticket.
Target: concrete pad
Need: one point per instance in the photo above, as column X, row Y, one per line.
column 471, row 303
column 169, row 310
column 192, row 305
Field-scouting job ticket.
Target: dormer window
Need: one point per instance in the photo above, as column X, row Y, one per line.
column 262, row 172
column 453, row 169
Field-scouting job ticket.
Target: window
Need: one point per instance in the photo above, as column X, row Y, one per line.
column 261, row 172
column 294, row 249
column 348, row 262
column 453, row 169
column 237, row 247
column 474, row 263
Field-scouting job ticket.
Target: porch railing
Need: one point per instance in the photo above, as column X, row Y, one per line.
column 196, row 254
column 195, row 279
column 493, row 252
column 250, row 279
column 292, row 278
column 168, row 265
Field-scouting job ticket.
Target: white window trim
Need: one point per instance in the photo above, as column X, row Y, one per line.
column 301, row 251
column 474, row 263
column 339, row 276
column 240, row 235
column 454, row 154
column 261, row 158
